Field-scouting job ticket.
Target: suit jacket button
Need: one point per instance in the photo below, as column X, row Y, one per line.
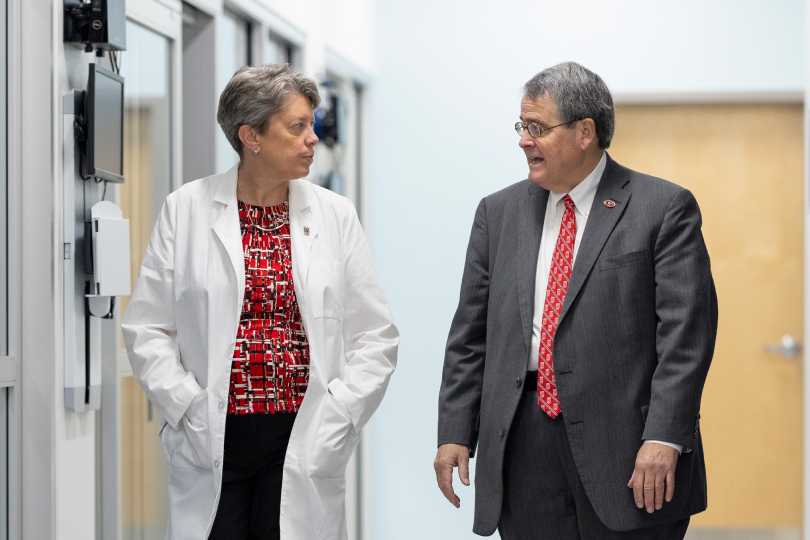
column 503, row 432
column 519, row 382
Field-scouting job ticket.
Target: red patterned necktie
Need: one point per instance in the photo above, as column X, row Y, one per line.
column 561, row 264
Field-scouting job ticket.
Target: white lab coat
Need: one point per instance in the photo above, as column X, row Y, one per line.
column 180, row 331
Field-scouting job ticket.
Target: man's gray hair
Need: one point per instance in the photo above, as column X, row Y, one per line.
column 579, row 93
column 255, row 94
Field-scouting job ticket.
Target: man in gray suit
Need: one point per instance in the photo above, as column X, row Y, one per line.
column 584, row 332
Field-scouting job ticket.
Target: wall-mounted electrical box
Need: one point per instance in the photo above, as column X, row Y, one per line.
column 96, row 24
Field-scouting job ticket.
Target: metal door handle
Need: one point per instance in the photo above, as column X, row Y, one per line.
column 788, row 348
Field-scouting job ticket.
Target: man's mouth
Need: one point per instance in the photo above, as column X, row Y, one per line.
column 534, row 160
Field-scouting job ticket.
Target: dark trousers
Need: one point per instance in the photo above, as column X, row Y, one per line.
column 543, row 495
column 250, row 502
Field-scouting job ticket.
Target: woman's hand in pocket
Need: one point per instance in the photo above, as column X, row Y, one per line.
column 335, row 440
column 195, row 427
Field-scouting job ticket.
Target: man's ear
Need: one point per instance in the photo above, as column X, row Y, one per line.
column 587, row 134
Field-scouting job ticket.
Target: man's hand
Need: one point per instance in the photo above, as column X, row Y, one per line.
column 655, row 470
column 448, row 457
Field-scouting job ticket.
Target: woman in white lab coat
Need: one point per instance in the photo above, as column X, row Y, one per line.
column 259, row 329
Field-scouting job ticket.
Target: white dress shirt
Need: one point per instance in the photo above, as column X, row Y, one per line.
column 582, row 195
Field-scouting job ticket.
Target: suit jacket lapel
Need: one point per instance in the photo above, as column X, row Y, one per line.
column 532, row 213
column 601, row 222
column 226, row 225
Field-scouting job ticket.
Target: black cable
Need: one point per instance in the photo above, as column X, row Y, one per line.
column 104, row 193
column 78, row 128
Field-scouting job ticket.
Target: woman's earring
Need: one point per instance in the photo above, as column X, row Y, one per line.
column 256, row 151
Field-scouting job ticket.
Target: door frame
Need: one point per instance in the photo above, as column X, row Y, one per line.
column 10, row 365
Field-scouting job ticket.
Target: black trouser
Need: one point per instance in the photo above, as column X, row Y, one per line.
column 543, row 495
column 250, row 501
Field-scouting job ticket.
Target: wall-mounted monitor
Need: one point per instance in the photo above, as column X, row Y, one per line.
column 103, row 157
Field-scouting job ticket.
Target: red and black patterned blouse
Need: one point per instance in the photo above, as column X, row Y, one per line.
column 270, row 369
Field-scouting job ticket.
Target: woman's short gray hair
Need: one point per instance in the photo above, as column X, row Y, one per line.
column 255, row 94
column 579, row 93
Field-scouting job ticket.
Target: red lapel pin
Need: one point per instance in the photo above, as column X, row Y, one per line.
column 609, row 203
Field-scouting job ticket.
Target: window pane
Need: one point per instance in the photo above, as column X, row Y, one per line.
column 272, row 51
column 147, row 170
column 277, row 51
column 233, row 53
column 335, row 155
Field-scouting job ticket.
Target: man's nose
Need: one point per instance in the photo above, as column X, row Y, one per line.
column 526, row 140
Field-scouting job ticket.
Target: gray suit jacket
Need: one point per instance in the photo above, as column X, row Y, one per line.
column 631, row 352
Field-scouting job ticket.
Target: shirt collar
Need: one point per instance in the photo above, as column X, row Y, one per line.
column 584, row 192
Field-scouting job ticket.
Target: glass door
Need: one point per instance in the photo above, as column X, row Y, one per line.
column 146, row 68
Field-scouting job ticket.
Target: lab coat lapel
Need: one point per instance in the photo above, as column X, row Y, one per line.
column 226, row 225
column 302, row 234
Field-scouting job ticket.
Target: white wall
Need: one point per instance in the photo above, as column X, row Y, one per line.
column 58, row 446
column 344, row 26
column 446, row 95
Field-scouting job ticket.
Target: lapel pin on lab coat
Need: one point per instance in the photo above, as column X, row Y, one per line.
column 609, row 203
column 306, row 231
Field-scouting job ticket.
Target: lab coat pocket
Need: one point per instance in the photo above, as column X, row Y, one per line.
column 165, row 428
column 325, row 284
column 193, row 449
column 335, row 440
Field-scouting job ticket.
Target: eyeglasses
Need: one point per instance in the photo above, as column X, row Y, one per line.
column 535, row 130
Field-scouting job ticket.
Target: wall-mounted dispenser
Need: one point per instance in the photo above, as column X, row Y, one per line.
column 107, row 247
